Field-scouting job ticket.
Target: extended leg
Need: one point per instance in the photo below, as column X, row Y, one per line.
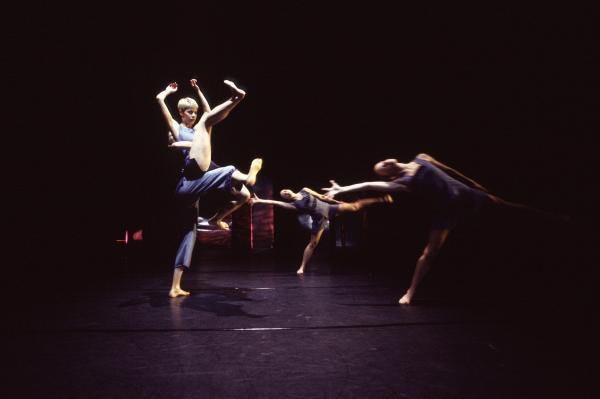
column 250, row 178
column 360, row 204
column 529, row 209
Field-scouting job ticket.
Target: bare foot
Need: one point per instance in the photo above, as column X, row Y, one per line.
column 405, row 300
column 175, row 292
column 234, row 88
column 300, row 271
column 219, row 225
column 255, row 167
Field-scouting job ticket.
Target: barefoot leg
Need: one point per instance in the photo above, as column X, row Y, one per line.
column 176, row 284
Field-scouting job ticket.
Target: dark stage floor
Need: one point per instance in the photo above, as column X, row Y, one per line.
column 262, row 332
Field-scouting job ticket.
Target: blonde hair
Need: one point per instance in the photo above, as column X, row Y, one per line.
column 186, row 103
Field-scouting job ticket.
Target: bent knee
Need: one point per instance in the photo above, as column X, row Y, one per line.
column 242, row 195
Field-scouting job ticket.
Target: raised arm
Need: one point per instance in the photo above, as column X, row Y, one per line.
column 383, row 186
column 160, row 97
column 322, row 197
column 203, row 101
column 221, row 111
column 452, row 172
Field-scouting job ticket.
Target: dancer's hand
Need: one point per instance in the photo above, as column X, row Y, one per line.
column 171, row 88
column 254, row 199
column 194, row 83
column 239, row 93
column 333, row 190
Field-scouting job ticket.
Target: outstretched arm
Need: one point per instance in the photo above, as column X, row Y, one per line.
column 172, row 123
column 281, row 204
column 221, row 111
column 383, row 186
column 322, row 197
column 452, row 172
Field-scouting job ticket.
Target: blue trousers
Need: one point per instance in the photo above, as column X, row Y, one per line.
column 187, row 194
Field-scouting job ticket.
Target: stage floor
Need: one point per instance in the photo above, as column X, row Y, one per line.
column 263, row 332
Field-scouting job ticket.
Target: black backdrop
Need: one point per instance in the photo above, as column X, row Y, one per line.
column 506, row 95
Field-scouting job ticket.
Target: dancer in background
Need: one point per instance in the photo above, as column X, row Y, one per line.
column 320, row 209
column 451, row 196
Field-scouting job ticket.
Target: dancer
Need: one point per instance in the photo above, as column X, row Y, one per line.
column 321, row 209
column 181, row 138
column 450, row 195
column 199, row 176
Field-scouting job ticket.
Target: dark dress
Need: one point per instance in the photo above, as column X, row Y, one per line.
column 318, row 211
column 449, row 199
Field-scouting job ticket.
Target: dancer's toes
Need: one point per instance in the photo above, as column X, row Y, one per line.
column 175, row 292
column 405, row 300
column 256, row 164
column 255, row 167
column 234, row 88
column 300, row 271
column 221, row 225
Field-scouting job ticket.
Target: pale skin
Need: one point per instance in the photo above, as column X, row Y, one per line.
column 289, row 195
column 200, row 147
column 200, row 151
column 392, row 169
